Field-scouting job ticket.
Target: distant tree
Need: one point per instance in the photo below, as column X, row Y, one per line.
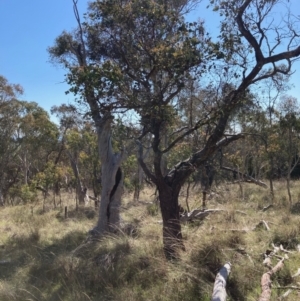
column 9, row 118
column 28, row 137
column 289, row 129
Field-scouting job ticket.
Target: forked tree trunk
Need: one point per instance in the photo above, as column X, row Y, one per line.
column 112, row 179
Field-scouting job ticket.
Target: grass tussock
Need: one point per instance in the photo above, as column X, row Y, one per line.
column 45, row 256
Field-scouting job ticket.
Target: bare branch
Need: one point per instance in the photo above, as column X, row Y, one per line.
column 245, row 177
column 179, row 138
column 246, row 33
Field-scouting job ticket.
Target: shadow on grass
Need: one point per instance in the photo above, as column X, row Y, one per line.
column 33, row 264
column 295, row 209
column 54, row 272
column 23, row 249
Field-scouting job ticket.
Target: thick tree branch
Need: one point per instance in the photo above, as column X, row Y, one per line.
column 246, row 33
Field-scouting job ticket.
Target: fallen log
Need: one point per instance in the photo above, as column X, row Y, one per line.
column 219, row 291
column 266, row 281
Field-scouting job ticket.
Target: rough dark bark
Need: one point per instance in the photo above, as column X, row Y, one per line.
column 172, row 236
column 179, row 174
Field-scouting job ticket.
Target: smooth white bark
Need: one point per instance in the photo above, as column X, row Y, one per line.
column 109, row 211
column 219, row 292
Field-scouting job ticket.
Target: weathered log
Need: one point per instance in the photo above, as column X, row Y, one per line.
column 219, row 291
column 266, row 281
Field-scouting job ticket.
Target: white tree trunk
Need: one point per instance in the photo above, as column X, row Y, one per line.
column 112, row 179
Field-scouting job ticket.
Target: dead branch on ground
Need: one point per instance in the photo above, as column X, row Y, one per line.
column 266, row 281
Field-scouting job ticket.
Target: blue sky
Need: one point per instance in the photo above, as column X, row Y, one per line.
column 28, row 27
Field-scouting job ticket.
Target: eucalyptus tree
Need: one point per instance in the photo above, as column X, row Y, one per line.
column 9, row 117
column 72, row 52
column 38, row 136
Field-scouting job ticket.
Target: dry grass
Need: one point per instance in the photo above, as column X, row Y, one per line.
column 43, row 255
